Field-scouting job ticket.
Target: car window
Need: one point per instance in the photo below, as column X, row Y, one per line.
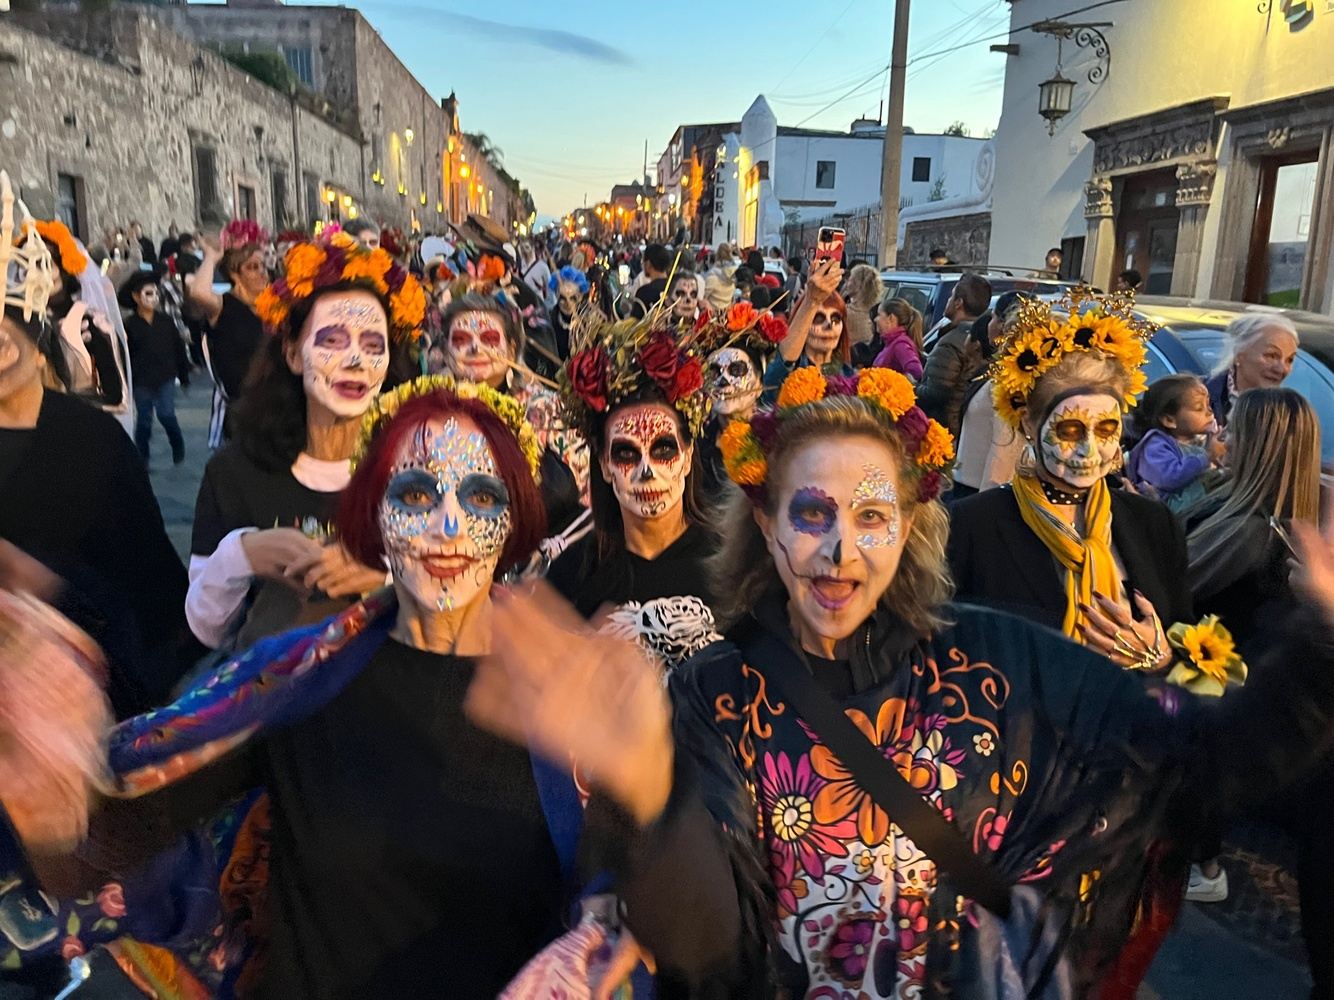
column 1207, row 343
column 1314, row 381
column 917, row 296
column 1155, row 365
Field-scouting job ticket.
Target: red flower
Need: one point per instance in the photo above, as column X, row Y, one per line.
column 773, row 328
column 395, row 277
column 910, row 921
column 660, row 359
column 703, row 319
column 689, row 378
column 912, row 425
column 331, row 271
column 71, row 948
column 111, row 900
column 588, row 376
column 740, row 316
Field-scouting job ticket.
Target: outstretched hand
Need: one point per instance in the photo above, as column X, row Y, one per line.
column 554, row 685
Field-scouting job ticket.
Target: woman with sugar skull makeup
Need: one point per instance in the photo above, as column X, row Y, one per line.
column 637, row 393
column 264, row 555
column 817, row 335
column 570, row 287
column 1060, row 546
column 484, row 343
column 999, row 766
column 411, row 853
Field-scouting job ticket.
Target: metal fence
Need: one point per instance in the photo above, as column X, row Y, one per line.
column 862, row 226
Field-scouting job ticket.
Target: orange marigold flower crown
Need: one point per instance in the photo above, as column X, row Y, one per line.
column 1043, row 333
column 72, row 260
column 335, row 259
column 928, row 446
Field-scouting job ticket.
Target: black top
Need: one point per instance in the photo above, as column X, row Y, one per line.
column 998, row 561
column 232, row 341
column 648, row 295
column 157, row 353
column 237, row 493
column 588, row 583
column 410, row 854
column 77, row 498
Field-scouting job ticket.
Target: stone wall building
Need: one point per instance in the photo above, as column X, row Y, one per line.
column 132, row 114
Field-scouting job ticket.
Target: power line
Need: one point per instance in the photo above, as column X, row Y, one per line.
column 814, row 45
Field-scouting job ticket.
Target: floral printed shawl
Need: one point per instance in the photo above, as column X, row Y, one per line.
column 1052, row 762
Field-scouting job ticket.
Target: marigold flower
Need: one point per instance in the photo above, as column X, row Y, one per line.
column 372, row 267
column 888, row 389
column 805, row 385
column 303, row 262
column 734, row 438
column 750, row 473
column 740, row 316
column 407, row 306
column 937, row 448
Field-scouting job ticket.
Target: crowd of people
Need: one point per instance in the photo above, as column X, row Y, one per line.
column 560, row 618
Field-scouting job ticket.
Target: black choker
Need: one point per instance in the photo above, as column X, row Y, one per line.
column 1060, row 497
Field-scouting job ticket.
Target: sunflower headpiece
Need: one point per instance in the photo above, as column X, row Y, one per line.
column 507, row 408
column 928, row 445
column 1045, row 332
column 337, row 258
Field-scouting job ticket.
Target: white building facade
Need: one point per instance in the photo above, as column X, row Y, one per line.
column 1198, row 149
column 767, row 174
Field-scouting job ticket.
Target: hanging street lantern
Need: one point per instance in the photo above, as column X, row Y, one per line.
column 1054, row 99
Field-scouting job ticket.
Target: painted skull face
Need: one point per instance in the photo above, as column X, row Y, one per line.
column 445, row 515
column 826, row 329
column 345, row 353
column 836, row 534
column 477, row 348
column 685, row 298
column 646, row 461
column 1080, row 440
column 732, row 381
column 568, row 298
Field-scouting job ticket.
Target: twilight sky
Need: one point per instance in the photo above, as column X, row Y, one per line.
column 570, row 92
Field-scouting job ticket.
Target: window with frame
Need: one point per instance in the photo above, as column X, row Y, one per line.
column 921, row 169
column 69, row 201
column 1281, row 235
column 246, row 204
column 824, row 173
column 278, row 192
column 300, row 62
column 208, row 200
column 311, row 185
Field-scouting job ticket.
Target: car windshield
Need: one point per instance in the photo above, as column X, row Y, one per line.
column 916, row 295
column 1309, row 377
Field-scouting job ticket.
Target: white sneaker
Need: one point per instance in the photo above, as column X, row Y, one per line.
column 1203, row 889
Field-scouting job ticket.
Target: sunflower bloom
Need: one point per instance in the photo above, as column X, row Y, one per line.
column 1207, row 657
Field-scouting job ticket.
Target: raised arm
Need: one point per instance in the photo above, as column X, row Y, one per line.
column 199, row 286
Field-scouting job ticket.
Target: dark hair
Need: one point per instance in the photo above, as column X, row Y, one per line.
column 472, row 302
column 1055, row 250
column 45, row 338
column 795, row 263
column 355, row 227
column 937, row 252
column 743, row 275
column 1132, row 277
column 359, row 506
column 974, row 291
column 755, row 261
column 1163, row 399
column 908, row 317
column 270, row 424
column 608, row 525
column 760, row 297
column 658, row 256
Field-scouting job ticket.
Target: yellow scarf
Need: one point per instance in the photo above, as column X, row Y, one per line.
column 1089, row 566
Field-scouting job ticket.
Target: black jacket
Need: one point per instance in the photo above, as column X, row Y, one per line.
column 997, row 560
column 78, row 499
column 157, row 352
column 952, row 364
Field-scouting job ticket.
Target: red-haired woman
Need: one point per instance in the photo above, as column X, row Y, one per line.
column 408, row 846
column 817, row 334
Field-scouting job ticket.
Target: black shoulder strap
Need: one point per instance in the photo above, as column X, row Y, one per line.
column 916, row 817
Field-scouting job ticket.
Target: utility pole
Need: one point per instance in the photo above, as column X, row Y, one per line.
column 892, row 164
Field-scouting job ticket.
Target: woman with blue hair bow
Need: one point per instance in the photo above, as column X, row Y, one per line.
column 571, row 288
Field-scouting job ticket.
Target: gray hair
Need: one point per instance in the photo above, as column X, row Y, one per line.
column 1245, row 330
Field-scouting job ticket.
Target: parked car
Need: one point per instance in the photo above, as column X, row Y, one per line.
column 1192, row 339
column 929, row 291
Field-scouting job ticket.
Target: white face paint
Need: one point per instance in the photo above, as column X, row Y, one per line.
column 1080, row 441
column 836, row 535
column 733, row 384
column 646, row 461
column 568, row 298
column 476, row 348
column 345, row 352
column 445, row 516
column 685, row 297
